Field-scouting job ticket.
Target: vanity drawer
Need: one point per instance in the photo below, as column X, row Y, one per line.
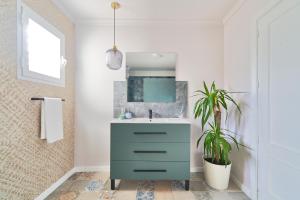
column 143, row 170
column 151, row 151
column 150, row 132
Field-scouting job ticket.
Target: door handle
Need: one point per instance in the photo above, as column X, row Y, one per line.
column 149, row 151
column 149, row 133
column 150, row 170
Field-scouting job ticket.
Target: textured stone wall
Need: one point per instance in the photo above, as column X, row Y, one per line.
column 29, row 165
column 160, row 110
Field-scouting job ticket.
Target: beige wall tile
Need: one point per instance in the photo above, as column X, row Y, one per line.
column 29, row 165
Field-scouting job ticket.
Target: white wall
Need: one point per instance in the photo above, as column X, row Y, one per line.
column 240, row 74
column 200, row 57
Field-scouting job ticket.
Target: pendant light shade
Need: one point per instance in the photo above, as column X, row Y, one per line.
column 114, row 57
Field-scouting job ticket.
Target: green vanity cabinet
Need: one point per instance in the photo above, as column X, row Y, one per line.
column 150, row 151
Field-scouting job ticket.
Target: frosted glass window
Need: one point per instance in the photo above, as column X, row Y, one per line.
column 42, row 49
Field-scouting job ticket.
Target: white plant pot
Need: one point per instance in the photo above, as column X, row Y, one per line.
column 216, row 176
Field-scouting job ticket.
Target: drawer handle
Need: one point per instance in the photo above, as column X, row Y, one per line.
column 150, row 133
column 150, row 170
column 149, row 151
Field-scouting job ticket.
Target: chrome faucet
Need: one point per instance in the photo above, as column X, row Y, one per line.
column 150, row 114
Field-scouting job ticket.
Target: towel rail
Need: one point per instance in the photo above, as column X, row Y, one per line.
column 41, row 99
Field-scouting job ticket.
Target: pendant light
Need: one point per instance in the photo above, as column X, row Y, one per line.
column 114, row 57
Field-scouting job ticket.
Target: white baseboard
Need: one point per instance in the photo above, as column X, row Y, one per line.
column 55, row 185
column 97, row 168
column 196, row 169
column 244, row 188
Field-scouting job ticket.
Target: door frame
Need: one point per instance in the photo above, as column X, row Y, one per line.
column 263, row 88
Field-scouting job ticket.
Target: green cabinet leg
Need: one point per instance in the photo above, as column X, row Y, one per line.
column 187, row 185
column 112, row 184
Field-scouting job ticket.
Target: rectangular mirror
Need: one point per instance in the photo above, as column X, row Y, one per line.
column 151, row 77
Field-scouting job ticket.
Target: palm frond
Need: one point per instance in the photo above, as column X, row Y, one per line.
column 216, row 143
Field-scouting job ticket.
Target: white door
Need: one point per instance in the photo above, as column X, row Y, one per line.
column 279, row 102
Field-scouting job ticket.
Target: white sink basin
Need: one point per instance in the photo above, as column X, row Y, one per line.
column 153, row 121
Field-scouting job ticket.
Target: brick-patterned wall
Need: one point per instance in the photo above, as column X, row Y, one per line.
column 29, row 165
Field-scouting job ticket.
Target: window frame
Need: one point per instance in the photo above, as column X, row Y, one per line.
column 23, row 72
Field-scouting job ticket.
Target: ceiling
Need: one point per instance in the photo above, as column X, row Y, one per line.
column 148, row 9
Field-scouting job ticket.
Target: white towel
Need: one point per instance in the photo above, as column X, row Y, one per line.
column 52, row 120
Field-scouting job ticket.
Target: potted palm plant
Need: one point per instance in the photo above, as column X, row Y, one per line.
column 217, row 141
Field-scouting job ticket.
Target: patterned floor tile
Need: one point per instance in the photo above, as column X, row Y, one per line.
column 96, row 186
column 74, row 176
column 202, row 195
column 53, row 196
column 68, row 196
column 79, row 186
column 88, row 196
column 180, row 195
column 92, row 176
column 128, row 185
column 199, row 185
column 64, row 187
column 163, row 190
column 125, row 195
column 107, row 185
column 232, row 187
column 238, row 196
column 228, row 196
column 196, row 176
column 145, row 190
column 177, row 185
column 179, row 192
column 126, row 190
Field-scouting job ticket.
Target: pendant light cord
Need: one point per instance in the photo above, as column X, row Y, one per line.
column 114, row 27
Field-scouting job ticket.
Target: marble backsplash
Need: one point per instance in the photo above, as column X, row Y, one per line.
column 160, row 110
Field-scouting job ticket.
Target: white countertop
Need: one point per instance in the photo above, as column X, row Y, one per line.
column 152, row 121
